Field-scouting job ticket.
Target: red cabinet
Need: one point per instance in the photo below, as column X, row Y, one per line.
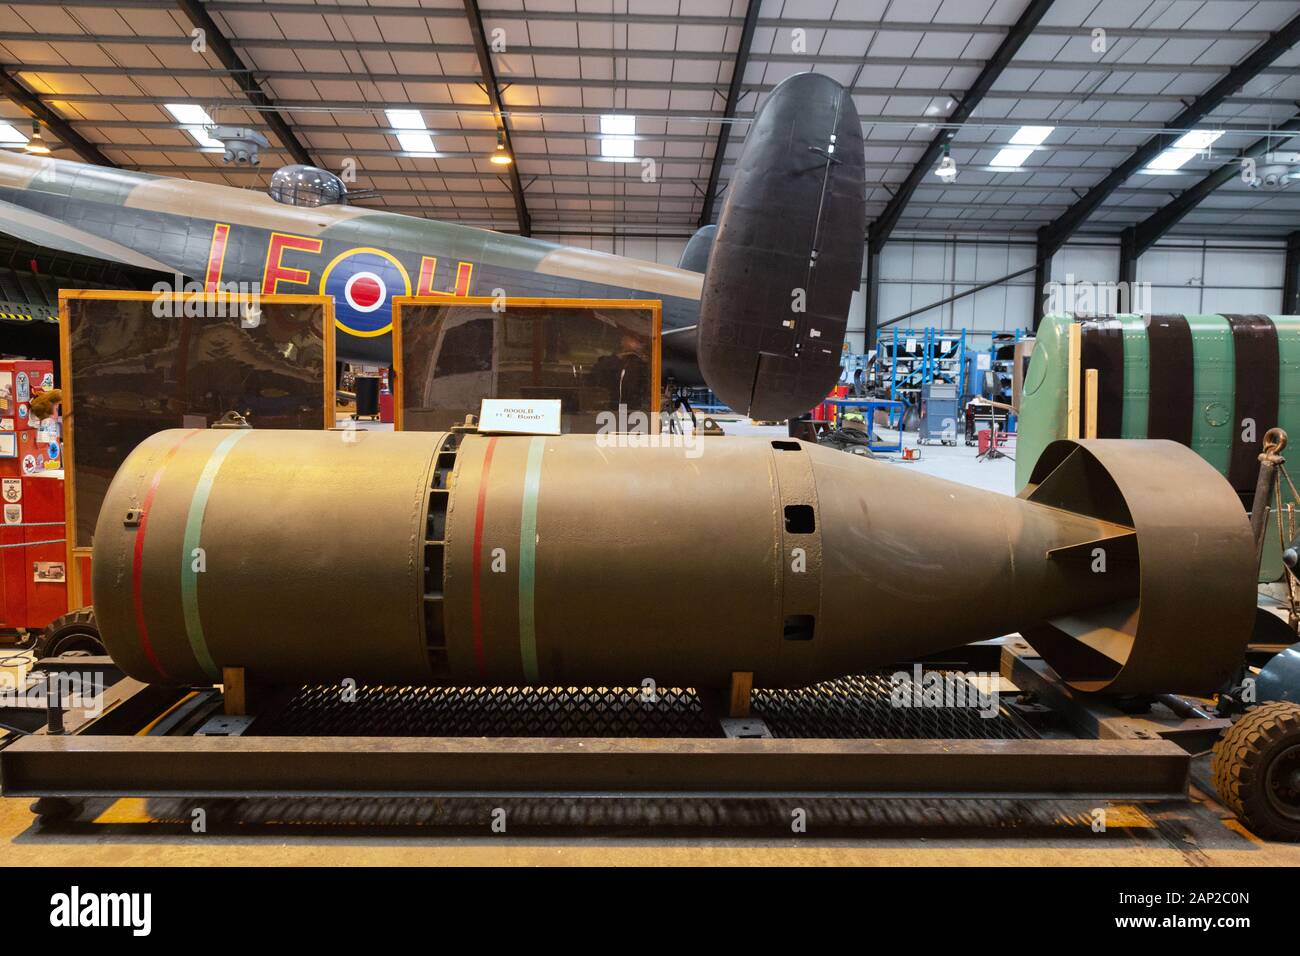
column 33, row 552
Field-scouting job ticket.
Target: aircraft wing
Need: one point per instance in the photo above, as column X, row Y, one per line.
column 42, row 230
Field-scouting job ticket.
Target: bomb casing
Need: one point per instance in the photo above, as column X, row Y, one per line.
column 441, row 558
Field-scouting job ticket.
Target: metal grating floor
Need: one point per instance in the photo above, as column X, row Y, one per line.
column 851, row 707
column 863, row 707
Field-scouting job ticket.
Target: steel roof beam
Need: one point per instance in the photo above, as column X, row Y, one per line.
column 884, row 224
column 464, row 176
column 436, row 131
column 35, row 107
column 1056, row 233
column 688, row 20
column 564, row 82
column 1136, row 240
column 217, row 42
column 729, row 108
column 386, row 46
column 493, row 90
column 900, row 26
column 360, row 106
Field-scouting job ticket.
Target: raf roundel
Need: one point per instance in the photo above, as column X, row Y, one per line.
column 365, row 292
column 363, row 283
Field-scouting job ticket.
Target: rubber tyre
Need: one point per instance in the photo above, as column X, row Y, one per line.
column 74, row 631
column 1243, row 759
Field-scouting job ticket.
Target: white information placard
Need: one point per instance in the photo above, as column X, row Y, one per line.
column 518, row 416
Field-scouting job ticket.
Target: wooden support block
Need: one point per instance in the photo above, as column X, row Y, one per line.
column 236, row 691
column 1073, row 359
column 742, row 683
column 1090, row 405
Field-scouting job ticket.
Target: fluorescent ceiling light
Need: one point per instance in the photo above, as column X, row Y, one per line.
column 1031, row 135
column 1010, row 157
column 189, row 113
column 10, row 136
column 618, row 136
column 415, row 141
column 1023, row 143
column 405, row 119
column 1198, row 139
column 1184, row 148
column 618, row 124
column 196, row 118
column 1170, row 160
column 619, row 147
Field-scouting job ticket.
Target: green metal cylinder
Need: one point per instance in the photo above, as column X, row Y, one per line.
column 1233, row 378
column 1212, row 385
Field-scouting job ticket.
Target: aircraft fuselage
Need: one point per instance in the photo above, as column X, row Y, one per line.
column 222, row 236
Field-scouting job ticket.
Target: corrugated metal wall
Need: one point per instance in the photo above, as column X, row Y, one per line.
column 1184, row 276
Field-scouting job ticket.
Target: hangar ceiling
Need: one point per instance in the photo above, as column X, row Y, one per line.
column 317, row 78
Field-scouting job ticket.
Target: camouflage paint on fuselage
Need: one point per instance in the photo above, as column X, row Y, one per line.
column 212, row 233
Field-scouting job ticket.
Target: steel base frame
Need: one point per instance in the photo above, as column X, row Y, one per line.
column 113, row 755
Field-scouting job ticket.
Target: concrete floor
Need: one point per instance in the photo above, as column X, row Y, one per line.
column 953, row 462
column 701, row 832
column 697, row 833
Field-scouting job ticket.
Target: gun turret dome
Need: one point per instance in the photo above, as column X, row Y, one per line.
column 300, row 185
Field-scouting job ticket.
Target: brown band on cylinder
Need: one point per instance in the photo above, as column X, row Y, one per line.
column 1103, row 349
column 1169, row 411
column 1256, row 394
